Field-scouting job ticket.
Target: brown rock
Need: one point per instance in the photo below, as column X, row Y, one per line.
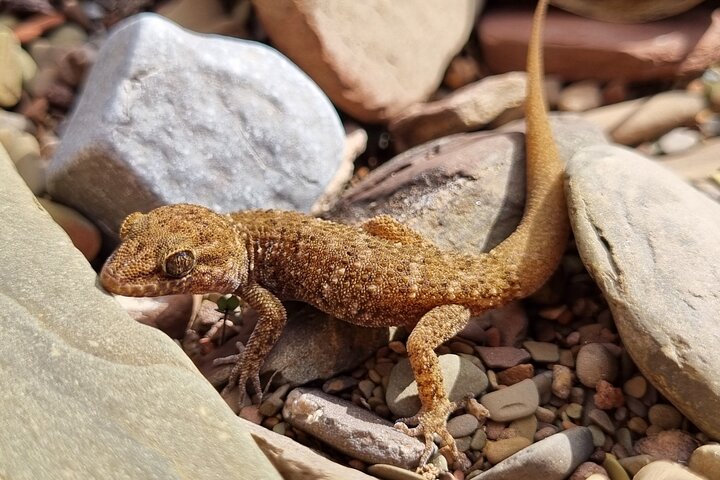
column 502, row 357
column 578, row 48
column 516, row 374
column 208, row 16
column 672, row 445
column 467, row 109
column 594, row 363
column 665, row 416
column 705, row 460
column 607, row 396
column 349, row 59
column 626, row 12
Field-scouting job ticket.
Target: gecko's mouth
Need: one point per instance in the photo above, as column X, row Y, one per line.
column 156, row 288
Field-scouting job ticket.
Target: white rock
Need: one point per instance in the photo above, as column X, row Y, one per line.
column 168, row 116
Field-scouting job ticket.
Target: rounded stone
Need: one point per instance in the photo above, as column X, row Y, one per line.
column 460, row 377
column 462, row 425
column 665, row 470
column 84, row 235
column 665, row 416
column 705, row 460
column 636, row 386
column 672, row 445
column 586, row 469
column 594, row 363
column 511, row 403
column 657, row 267
column 11, row 73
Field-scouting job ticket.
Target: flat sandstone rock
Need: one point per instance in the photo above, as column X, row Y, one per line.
column 88, row 392
column 371, row 58
column 168, row 116
column 650, row 241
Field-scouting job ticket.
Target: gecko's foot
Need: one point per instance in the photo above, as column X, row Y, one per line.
column 433, row 422
column 239, row 375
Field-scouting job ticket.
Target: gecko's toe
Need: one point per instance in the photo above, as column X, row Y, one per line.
column 431, row 423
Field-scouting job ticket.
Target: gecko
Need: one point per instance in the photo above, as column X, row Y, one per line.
column 378, row 273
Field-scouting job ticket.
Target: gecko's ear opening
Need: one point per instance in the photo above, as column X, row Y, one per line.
column 128, row 224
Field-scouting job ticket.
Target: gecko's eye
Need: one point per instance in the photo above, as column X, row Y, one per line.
column 179, row 264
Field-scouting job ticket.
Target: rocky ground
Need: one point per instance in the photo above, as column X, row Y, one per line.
column 609, row 371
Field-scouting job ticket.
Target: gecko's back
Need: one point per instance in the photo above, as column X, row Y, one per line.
column 363, row 274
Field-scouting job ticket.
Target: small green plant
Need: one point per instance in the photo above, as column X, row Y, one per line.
column 226, row 305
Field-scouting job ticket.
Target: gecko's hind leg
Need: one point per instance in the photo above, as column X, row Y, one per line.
column 435, row 327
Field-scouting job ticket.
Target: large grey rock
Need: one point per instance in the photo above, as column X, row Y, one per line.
column 464, row 192
column 87, row 392
column 553, row 458
column 650, row 241
column 350, row 429
column 168, row 116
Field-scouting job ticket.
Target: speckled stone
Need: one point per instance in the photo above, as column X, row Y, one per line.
column 672, row 445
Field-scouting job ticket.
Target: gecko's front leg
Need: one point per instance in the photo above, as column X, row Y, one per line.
column 435, row 327
column 272, row 319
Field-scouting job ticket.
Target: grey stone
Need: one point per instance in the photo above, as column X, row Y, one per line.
column 462, row 425
column 88, row 392
column 553, row 458
column 168, row 116
column 460, row 378
column 463, row 192
column 326, row 345
column 511, row 403
column 650, row 242
column 296, row 461
column 350, row 429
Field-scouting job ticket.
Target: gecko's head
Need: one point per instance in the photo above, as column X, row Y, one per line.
column 176, row 249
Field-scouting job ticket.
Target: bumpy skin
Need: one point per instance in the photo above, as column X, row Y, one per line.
column 380, row 273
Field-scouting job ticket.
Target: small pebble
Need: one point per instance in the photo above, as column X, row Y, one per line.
column 602, row 420
column 543, row 352
column 545, row 415
column 478, row 440
column 366, row 387
column 665, row 416
column 462, row 425
column 339, row 384
column 562, row 381
column 705, row 460
column 516, row 374
column 614, row 469
column 637, row 425
column 502, row 357
column 525, row 427
column 678, row 140
column 635, row 463
column 608, row 397
column 574, row 411
column 594, row 363
column 598, row 435
column 545, row 432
